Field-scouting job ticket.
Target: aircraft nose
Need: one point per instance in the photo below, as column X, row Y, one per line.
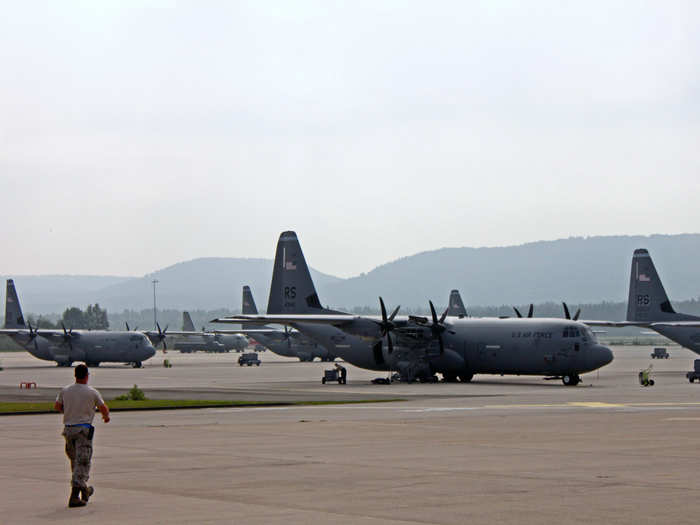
column 603, row 356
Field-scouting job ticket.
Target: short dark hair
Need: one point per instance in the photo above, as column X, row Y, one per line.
column 81, row 372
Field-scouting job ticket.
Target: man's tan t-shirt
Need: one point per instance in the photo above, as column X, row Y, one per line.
column 79, row 402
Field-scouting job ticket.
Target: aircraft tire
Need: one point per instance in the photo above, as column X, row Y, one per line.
column 466, row 377
column 323, row 380
column 570, row 380
column 136, row 364
column 450, row 378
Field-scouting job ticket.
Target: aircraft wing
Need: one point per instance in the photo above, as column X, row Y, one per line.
column 690, row 324
column 153, row 333
column 617, row 324
column 336, row 320
column 253, row 331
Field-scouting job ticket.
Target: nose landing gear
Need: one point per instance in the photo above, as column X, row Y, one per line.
column 570, row 379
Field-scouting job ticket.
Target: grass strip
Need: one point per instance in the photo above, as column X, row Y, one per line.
column 22, row 407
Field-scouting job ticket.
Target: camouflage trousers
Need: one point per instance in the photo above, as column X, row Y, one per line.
column 79, row 451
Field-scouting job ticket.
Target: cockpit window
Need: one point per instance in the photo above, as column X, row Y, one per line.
column 571, row 331
column 590, row 335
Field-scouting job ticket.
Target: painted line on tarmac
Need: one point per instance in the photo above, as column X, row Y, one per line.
column 568, row 405
column 572, row 405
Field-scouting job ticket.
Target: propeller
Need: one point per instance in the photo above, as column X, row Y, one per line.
column 32, row 336
column 568, row 315
column 530, row 311
column 161, row 336
column 437, row 327
column 387, row 324
column 67, row 335
column 287, row 336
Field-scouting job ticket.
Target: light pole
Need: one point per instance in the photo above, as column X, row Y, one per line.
column 155, row 320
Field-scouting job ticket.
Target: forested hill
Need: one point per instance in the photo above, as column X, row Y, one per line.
column 206, row 283
column 576, row 270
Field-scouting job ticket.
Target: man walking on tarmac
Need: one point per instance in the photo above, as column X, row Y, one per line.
column 78, row 402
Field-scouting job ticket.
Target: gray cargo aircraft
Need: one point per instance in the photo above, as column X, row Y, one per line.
column 648, row 306
column 418, row 347
column 67, row 345
column 207, row 341
column 287, row 343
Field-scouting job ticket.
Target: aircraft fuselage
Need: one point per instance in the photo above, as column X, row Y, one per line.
column 532, row 346
column 89, row 346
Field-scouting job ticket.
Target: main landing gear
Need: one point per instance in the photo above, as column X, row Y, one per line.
column 570, row 379
column 136, row 364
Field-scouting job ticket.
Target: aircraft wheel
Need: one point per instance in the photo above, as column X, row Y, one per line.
column 691, row 379
column 450, row 378
column 323, row 380
column 570, row 380
column 137, row 364
column 466, row 378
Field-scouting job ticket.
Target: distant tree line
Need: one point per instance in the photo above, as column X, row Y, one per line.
column 92, row 318
column 95, row 318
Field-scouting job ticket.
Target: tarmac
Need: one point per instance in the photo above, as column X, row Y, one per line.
column 498, row 450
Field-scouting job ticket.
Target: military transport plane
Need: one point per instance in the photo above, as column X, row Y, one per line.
column 418, row 347
column 648, row 306
column 207, row 341
column 65, row 346
column 287, row 343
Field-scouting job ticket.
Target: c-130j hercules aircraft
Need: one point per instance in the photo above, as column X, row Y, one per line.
column 648, row 306
column 418, row 347
column 66, row 346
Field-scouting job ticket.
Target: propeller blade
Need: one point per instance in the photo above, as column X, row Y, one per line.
column 383, row 308
column 393, row 314
column 517, row 312
column 65, row 332
column 566, row 311
column 386, row 324
column 444, row 315
column 159, row 330
column 531, row 310
column 127, row 326
column 578, row 312
column 432, row 313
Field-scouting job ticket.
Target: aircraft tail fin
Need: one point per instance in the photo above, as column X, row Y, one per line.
column 187, row 324
column 248, row 307
column 647, row 299
column 13, row 311
column 292, row 290
column 456, row 306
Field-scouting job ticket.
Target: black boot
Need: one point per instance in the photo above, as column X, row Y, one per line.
column 75, row 500
column 86, row 493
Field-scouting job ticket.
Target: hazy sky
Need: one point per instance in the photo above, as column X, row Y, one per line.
column 134, row 135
